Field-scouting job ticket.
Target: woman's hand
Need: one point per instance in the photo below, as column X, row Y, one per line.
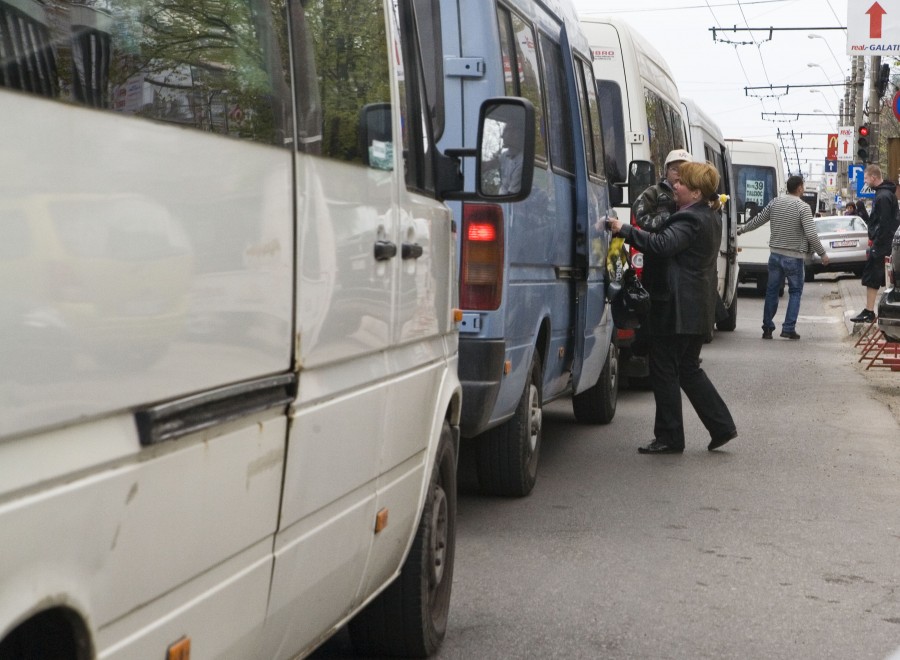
column 615, row 224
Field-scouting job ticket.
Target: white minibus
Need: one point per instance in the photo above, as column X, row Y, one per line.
column 229, row 402
column 759, row 178
column 642, row 122
column 706, row 144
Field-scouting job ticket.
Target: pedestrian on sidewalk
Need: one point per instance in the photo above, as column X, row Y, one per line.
column 793, row 235
column 882, row 225
column 683, row 308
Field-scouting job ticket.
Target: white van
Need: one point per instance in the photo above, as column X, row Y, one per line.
column 229, row 402
column 641, row 118
column 759, row 178
column 639, row 100
column 706, row 144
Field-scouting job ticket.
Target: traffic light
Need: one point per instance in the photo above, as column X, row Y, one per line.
column 862, row 143
column 884, row 77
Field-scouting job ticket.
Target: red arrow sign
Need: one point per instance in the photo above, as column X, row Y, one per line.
column 876, row 12
column 845, row 145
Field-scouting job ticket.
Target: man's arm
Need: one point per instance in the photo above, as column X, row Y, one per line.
column 809, row 228
column 761, row 218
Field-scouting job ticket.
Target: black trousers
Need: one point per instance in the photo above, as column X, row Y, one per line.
column 675, row 366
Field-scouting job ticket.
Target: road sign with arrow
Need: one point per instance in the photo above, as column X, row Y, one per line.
column 873, row 28
column 846, row 146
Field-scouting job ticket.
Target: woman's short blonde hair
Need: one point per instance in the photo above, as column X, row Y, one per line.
column 702, row 177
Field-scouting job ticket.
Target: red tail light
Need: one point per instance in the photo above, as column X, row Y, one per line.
column 481, row 268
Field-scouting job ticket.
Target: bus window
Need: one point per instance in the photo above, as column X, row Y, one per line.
column 562, row 154
column 173, row 62
column 614, row 154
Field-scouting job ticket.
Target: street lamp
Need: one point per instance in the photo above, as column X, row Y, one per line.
column 825, row 98
column 819, row 66
column 833, row 56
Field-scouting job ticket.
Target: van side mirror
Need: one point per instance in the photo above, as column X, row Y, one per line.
column 641, row 175
column 504, row 164
column 376, row 139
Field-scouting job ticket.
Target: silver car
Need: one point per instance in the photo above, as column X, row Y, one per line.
column 889, row 305
column 845, row 239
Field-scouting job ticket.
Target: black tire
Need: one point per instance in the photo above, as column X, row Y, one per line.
column 730, row 323
column 409, row 618
column 507, row 456
column 597, row 404
column 809, row 275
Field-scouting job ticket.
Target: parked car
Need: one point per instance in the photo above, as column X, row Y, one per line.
column 845, row 239
column 889, row 305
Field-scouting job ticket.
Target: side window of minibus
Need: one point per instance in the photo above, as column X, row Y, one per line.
column 677, row 128
column 520, row 64
column 609, row 96
column 343, row 90
column 219, row 68
column 591, row 121
column 562, row 155
column 657, row 129
column 428, row 29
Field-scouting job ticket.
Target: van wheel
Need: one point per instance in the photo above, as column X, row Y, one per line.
column 409, row 618
column 730, row 323
column 597, row 404
column 507, row 456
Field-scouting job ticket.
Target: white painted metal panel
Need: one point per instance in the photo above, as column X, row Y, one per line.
column 117, row 538
column 140, row 262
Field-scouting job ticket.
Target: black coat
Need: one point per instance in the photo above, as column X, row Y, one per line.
column 682, row 270
column 883, row 220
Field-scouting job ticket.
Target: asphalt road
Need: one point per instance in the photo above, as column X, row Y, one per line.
column 785, row 544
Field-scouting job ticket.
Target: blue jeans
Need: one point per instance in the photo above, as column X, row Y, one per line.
column 780, row 267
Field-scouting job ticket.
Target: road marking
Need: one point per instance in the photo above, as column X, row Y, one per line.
column 818, row 319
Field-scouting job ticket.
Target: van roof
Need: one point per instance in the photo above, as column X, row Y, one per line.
column 629, row 36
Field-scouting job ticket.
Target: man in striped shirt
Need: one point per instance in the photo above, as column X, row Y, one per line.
column 793, row 235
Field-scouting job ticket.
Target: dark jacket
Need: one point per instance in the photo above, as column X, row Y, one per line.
column 883, row 219
column 683, row 294
column 654, row 206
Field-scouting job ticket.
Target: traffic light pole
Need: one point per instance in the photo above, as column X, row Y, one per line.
column 874, row 110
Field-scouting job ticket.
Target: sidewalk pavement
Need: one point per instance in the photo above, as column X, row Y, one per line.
column 853, row 297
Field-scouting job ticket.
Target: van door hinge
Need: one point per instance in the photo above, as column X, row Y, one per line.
column 464, row 67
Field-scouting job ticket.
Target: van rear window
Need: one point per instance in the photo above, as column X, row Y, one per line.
column 755, row 186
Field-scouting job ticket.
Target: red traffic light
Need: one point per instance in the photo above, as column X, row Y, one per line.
column 863, row 131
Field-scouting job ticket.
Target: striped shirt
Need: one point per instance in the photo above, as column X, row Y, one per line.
column 793, row 227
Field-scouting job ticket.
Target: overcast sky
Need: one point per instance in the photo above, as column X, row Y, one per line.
column 715, row 74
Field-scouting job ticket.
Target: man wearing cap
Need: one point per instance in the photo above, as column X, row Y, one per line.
column 654, row 206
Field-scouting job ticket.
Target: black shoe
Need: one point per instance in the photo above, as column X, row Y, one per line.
column 718, row 442
column 865, row 316
column 767, row 334
column 790, row 335
column 660, row 447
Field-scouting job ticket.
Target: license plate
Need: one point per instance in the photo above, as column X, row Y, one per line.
column 837, row 244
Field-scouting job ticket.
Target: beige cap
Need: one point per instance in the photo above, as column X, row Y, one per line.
column 678, row 154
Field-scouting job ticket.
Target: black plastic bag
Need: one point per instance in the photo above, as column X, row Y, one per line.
column 636, row 297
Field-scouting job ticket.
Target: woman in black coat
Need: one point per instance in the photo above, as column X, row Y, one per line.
column 680, row 272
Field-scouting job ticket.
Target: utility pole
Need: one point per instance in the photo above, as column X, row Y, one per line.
column 874, row 110
column 857, row 82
